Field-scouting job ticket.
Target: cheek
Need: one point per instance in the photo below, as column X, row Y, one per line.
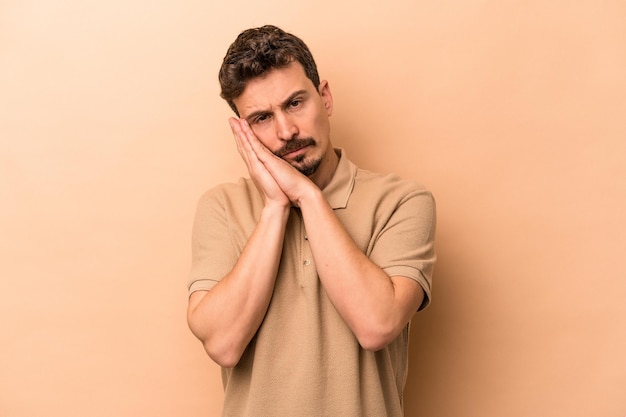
column 322, row 125
column 316, row 125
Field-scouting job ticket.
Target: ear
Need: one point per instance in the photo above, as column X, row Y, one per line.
column 327, row 97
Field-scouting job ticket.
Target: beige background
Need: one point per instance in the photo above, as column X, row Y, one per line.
column 511, row 112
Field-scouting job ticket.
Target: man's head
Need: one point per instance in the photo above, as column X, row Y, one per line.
column 257, row 51
column 270, row 80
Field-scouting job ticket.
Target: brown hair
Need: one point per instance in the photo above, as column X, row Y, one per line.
column 257, row 51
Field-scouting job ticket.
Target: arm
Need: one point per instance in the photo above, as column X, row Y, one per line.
column 375, row 306
column 226, row 318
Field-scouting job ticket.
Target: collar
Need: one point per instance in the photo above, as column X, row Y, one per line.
column 338, row 190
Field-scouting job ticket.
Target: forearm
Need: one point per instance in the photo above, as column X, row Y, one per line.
column 226, row 318
column 375, row 306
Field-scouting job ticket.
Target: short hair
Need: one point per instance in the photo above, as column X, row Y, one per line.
column 255, row 52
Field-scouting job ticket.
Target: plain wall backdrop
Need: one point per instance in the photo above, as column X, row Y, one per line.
column 511, row 112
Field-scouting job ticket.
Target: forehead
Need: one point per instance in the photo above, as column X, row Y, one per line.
column 271, row 89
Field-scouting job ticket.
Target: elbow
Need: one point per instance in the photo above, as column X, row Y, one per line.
column 222, row 349
column 223, row 355
column 225, row 361
column 377, row 338
column 374, row 344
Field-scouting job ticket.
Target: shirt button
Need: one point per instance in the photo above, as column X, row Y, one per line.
column 306, row 237
column 307, row 262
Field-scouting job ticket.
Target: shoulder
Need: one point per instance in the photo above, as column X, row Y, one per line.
column 231, row 193
column 235, row 206
column 390, row 186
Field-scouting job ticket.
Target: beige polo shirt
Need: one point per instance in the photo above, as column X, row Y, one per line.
column 304, row 360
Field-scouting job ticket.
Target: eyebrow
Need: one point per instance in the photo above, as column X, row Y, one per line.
column 284, row 104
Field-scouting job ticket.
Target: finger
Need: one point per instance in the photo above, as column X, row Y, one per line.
column 248, row 138
column 240, row 140
column 235, row 127
column 255, row 145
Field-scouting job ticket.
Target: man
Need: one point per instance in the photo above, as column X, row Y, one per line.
column 304, row 277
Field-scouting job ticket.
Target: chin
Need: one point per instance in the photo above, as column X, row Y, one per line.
column 309, row 168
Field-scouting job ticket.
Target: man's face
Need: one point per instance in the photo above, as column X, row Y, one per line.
column 289, row 115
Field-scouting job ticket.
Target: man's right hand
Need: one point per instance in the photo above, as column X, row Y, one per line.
column 265, row 183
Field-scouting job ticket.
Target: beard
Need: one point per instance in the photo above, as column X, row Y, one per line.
column 304, row 166
column 309, row 167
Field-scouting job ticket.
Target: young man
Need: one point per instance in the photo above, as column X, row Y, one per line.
column 304, row 277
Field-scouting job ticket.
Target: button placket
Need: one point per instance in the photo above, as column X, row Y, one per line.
column 306, row 249
column 309, row 275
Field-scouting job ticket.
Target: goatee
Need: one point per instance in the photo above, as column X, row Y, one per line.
column 299, row 162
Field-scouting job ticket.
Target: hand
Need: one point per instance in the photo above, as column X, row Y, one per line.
column 291, row 182
column 265, row 183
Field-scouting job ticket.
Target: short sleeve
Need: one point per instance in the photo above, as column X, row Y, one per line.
column 405, row 245
column 213, row 254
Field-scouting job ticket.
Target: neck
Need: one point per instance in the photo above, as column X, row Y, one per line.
column 327, row 169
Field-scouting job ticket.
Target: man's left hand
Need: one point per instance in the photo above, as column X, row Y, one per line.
column 293, row 183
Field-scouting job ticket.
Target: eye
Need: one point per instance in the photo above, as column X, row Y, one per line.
column 295, row 103
column 261, row 118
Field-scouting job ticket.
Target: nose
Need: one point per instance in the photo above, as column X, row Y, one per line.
column 286, row 128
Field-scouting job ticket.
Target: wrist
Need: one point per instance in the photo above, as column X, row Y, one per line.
column 273, row 210
column 311, row 197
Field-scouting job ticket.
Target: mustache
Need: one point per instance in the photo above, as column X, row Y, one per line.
column 294, row 145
